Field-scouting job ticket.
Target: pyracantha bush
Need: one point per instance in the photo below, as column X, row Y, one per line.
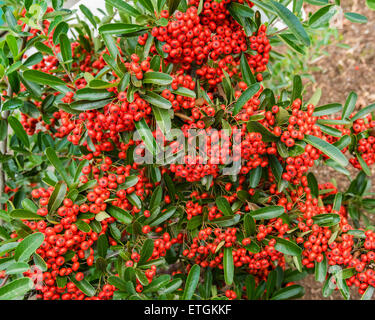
column 85, row 99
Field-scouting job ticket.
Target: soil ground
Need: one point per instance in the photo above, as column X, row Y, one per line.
column 346, row 70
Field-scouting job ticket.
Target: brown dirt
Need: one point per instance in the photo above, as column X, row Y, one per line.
column 346, row 70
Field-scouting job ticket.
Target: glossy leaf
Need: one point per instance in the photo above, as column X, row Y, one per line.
column 327, row 148
column 228, row 266
column 191, row 282
column 28, row 246
column 16, row 289
column 224, row 206
column 291, row 21
column 245, row 97
column 269, row 212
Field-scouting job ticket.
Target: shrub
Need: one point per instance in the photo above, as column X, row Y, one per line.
column 146, row 159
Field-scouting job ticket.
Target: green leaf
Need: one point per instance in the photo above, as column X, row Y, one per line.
column 18, row 267
column 157, row 100
column 363, row 164
column 226, row 221
column 120, row 28
column 19, row 130
column 313, row 184
column 326, row 219
column 146, row 135
column 249, row 224
column 328, row 149
column 16, row 289
column 157, row 283
column 83, row 226
column 147, row 4
column 321, row 269
column 182, row 91
column 57, row 197
column 224, row 206
column 93, row 94
column 55, row 161
column 254, row 177
column 317, row 2
column 328, row 288
column 370, row 290
column 191, row 282
column 12, row 44
column 39, row 262
column 100, row 84
column 12, row 104
column 102, row 246
column 321, row 17
column 61, row 28
column 269, row 212
column 40, row 46
column 250, row 287
column 84, row 105
column 33, row 59
column 287, row 247
column 289, row 40
column 88, row 14
column 42, row 78
column 84, row 286
column 271, row 283
column 292, row 292
column 291, row 21
column 371, row 4
column 349, row 105
column 337, row 201
column 3, row 129
column 163, row 217
column 146, row 252
column 228, row 266
column 267, row 136
column 141, row 277
column 173, row 5
column 315, row 98
column 245, row 97
column 163, row 120
column 130, row 181
column 66, row 51
column 120, row 214
column 28, row 204
column 24, row 215
column 343, row 142
column 124, row 7
column 171, row 287
column 357, row 233
column 241, row 10
column 297, row 88
column 247, row 75
column 156, row 197
column 329, row 130
column 355, row 17
column 28, row 246
column 158, row 78
column 363, row 112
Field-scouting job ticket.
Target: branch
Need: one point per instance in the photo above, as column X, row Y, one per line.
column 4, row 281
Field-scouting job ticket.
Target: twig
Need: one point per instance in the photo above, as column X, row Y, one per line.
column 4, row 281
column 4, row 116
column 183, row 116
